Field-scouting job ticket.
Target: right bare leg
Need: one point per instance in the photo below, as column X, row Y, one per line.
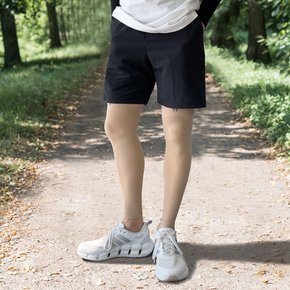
column 121, row 126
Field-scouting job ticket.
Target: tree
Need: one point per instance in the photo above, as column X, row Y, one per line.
column 53, row 24
column 222, row 35
column 8, row 26
column 63, row 25
column 257, row 50
column 278, row 30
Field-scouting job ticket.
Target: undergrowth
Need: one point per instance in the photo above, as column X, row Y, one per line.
column 260, row 93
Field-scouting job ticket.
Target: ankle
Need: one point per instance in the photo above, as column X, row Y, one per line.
column 164, row 225
column 133, row 225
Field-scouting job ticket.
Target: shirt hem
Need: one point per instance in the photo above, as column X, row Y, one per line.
column 122, row 16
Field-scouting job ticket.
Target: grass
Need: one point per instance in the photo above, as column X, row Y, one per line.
column 34, row 100
column 260, row 93
column 29, row 97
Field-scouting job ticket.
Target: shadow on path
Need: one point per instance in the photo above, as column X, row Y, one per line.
column 215, row 130
column 275, row 252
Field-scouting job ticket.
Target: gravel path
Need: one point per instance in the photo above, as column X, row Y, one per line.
column 233, row 225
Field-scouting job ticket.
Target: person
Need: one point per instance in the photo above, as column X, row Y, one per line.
column 152, row 41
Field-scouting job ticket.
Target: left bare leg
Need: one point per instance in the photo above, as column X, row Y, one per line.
column 177, row 126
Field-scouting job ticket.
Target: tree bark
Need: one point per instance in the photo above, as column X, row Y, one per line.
column 221, row 35
column 11, row 47
column 78, row 20
column 256, row 50
column 53, row 24
column 63, row 26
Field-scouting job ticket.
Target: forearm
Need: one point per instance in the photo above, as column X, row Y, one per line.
column 114, row 4
column 207, row 9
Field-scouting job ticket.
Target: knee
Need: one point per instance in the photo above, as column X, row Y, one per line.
column 112, row 129
column 116, row 131
column 175, row 134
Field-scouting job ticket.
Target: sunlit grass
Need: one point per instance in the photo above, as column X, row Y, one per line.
column 70, row 51
column 29, row 96
column 261, row 93
column 32, row 102
column 33, row 97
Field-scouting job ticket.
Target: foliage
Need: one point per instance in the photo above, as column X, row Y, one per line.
column 278, row 23
column 33, row 28
column 15, row 6
column 276, row 14
column 33, row 102
column 262, row 94
column 79, row 22
column 29, row 96
column 35, row 97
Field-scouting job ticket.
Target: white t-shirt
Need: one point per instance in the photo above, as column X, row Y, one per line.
column 157, row 16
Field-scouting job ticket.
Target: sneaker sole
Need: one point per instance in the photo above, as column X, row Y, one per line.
column 126, row 251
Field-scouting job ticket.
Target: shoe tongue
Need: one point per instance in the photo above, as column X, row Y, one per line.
column 121, row 225
column 167, row 245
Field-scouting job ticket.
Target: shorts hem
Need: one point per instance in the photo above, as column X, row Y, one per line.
column 194, row 106
column 124, row 102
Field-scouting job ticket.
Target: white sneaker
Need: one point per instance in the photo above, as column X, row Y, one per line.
column 170, row 263
column 120, row 242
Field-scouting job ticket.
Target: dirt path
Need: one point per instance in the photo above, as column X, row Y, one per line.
column 233, row 224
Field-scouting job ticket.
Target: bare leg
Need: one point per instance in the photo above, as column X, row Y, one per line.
column 121, row 128
column 177, row 127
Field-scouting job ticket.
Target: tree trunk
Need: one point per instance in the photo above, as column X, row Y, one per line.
column 221, row 35
column 78, row 20
column 11, row 47
column 256, row 50
column 63, row 26
column 73, row 18
column 67, row 21
column 53, row 24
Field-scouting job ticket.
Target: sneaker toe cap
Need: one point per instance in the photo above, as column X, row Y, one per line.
column 90, row 247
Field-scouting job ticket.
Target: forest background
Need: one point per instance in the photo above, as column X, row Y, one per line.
column 48, row 49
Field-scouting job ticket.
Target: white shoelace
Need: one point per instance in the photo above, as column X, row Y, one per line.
column 110, row 238
column 168, row 243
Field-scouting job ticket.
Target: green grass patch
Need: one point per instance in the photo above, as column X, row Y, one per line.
column 260, row 93
column 33, row 101
column 29, row 100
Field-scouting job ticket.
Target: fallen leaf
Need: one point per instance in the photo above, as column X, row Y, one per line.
column 261, row 272
column 7, row 239
column 100, row 282
column 53, row 273
column 67, row 274
column 280, row 274
column 139, row 276
column 12, row 269
column 30, row 269
column 266, row 282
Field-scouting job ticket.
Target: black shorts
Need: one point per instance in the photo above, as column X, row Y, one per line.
column 175, row 61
